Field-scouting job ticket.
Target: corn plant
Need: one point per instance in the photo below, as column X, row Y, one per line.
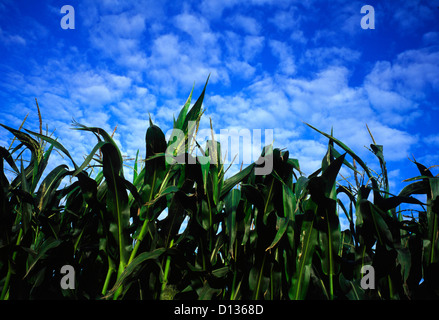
column 274, row 237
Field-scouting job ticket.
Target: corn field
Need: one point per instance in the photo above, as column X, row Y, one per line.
column 247, row 237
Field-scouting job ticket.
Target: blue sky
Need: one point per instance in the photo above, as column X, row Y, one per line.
column 273, row 65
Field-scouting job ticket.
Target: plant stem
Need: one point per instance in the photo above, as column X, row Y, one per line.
column 107, row 280
column 6, row 285
column 235, row 274
column 167, row 266
column 8, row 275
column 331, row 262
column 261, row 273
column 390, row 287
column 119, row 272
column 139, row 239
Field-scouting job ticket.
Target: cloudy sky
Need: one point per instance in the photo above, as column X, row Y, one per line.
column 274, row 64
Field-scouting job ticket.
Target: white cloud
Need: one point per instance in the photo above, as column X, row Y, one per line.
column 430, row 38
column 324, row 101
column 397, row 143
column 410, row 15
column 298, row 36
column 287, row 20
column 396, row 89
column 240, row 68
column 215, row 8
column 348, row 17
column 95, row 95
column 147, row 57
column 123, row 24
column 285, row 55
column 387, row 100
column 120, row 82
column 113, row 5
column 118, row 36
column 243, row 48
column 174, row 61
column 326, row 94
column 324, row 56
column 431, row 140
column 11, row 39
column 166, row 49
column 58, row 107
column 416, row 71
column 248, row 24
column 252, row 47
column 97, row 88
column 196, row 26
column 309, row 153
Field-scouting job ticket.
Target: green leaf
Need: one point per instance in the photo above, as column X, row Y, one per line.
column 378, row 151
column 345, row 148
column 215, row 173
column 231, row 205
column 107, row 138
column 183, row 113
column 253, row 195
column 221, row 272
column 305, row 251
column 194, row 114
column 155, row 145
column 207, row 292
column 382, row 229
column 300, row 187
column 89, row 157
column 48, row 244
column 205, row 166
column 289, row 205
column 329, row 177
column 135, row 173
column 26, row 139
column 134, row 265
column 234, row 180
column 117, row 199
column 88, row 187
column 49, row 185
column 432, row 248
column 418, row 187
column 329, row 235
column 281, row 227
column 257, row 281
column 26, row 208
column 337, row 154
column 393, row 202
column 54, row 143
column 97, row 131
column 4, row 154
